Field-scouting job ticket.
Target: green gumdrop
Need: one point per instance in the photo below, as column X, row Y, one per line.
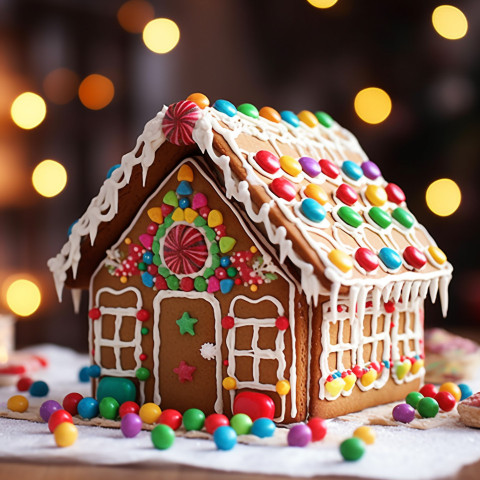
column 226, row 244
column 121, row 389
column 162, row 437
column 350, row 216
column 215, row 261
column 168, row 221
column 108, row 407
column 210, row 233
column 413, row 398
column 193, row 419
column 352, row 449
column 427, row 407
column 324, row 118
column 164, row 271
column 173, row 282
column 208, row 272
column 171, row 199
column 214, row 248
column 200, row 284
column 199, row 221
column 249, row 110
column 142, row 374
column 241, row 423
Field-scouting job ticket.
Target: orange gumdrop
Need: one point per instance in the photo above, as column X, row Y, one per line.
column 200, row 99
column 270, row 114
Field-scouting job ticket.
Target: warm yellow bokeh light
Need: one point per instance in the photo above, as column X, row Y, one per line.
column 49, row 178
column 443, row 197
column 373, row 105
column 161, row 35
column 322, row 3
column 134, row 15
column 28, row 110
column 23, row 297
column 449, row 22
column 96, row 91
column 61, row 85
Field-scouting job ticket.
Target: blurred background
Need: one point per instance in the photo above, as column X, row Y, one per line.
column 79, row 79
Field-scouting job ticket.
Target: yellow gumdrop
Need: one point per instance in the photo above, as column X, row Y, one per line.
column 290, row 165
column 65, row 434
column 366, row 434
column 178, row 215
column 253, row 249
column 369, row 377
column 17, row 403
column 229, row 383
column 437, row 254
column 417, row 366
column 215, row 218
column 149, row 412
column 308, row 118
column 376, row 195
column 155, row 215
column 253, row 288
column 282, row 387
column 202, row 101
column 452, row 388
column 341, row 260
column 190, row 215
column 335, row 386
column 349, row 381
column 317, row 193
column 185, row 173
column 123, row 279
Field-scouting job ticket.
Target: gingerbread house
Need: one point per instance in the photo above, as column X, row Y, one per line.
column 237, row 255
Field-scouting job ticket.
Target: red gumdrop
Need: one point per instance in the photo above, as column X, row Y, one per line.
column 186, row 284
column 172, row 418
column 254, row 404
column 414, row 257
column 228, row 322
column 395, row 193
column 143, row 315
column 152, row 228
column 358, row 371
column 161, row 283
column 283, row 188
column 389, row 307
column 282, row 323
column 128, row 407
column 346, row 194
column 429, row 390
column 94, row 313
column 446, row 401
column 166, row 210
column 58, row 417
column 328, row 168
column 268, row 161
column 366, row 259
column 70, row 402
column 318, row 426
column 215, row 420
column 24, row 384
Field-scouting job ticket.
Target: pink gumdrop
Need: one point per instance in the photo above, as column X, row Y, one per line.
column 199, row 200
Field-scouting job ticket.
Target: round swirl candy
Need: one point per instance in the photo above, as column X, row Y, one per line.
column 179, row 122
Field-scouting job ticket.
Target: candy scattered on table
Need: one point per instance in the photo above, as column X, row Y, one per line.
column 128, row 407
column 299, row 435
column 149, row 412
column 403, row 413
column 428, row 407
column 193, row 419
column 38, row 389
column 429, row 390
column 263, row 427
column 465, row 390
column 171, row 417
column 225, row 437
column 57, row 417
column 241, row 423
column 88, row 408
column 17, row 403
column 83, row 375
column 366, row 434
column 215, row 420
column 352, row 449
column 131, row 425
column 24, row 384
column 108, row 408
column 163, row 437
column 413, row 398
column 452, row 388
column 65, row 434
column 47, row 408
column 446, row 401
column 71, row 401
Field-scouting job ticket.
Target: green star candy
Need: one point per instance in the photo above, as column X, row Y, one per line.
column 186, row 323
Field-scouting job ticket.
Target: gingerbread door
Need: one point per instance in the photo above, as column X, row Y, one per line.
column 186, row 351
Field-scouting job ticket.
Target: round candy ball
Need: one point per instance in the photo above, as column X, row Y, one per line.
column 128, row 407
column 108, row 408
column 318, row 426
column 446, row 401
column 366, row 434
column 241, row 423
column 193, row 419
column 162, row 437
column 149, row 412
column 17, row 403
column 404, row 413
column 131, row 425
column 38, row 389
column 47, row 408
column 58, row 417
column 172, row 418
column 413, row 398
column 24, row 383
column 225, row 437
column 429, row 390
column 65, row 434
column 263, row 427
column 466, row 391
column 215, row 420
column 299, row 436
column 83, row 375
column 70, row 402
column 352, row 449
column 94, row 371
column 87, row 408
column 452, row 388
column 427, row 407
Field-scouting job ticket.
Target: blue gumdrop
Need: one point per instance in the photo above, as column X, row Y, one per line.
column 225, row 107
column 184, row 188
column 88, row 408
column 226, row 285
column 466, row 391
column 313, row 210
column 38, row 389
column 225, row 437
column 386, row 363
column 147, row 279
column 148, row 258
column 225, row 262
column 83, row 375
column 263, row 427
column 289, row 117
column 391, row 259
column 184, row 203
column 70, row 228
column 112, row 169
column 94, row 371
column 352, row 170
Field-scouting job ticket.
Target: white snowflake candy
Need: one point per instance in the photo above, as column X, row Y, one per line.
column 208, row 351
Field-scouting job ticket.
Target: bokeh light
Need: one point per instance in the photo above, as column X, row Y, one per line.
column 60, row 85
column 373, row 105
column 96, row 91
column 449, row 22
column 23, row 296
column 161, row 35
column 443, row 197
column 49, row 178
column 28, row 110
column 322, row 3
column 134, row 15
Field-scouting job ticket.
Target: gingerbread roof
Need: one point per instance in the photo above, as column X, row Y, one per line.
column 303, row 179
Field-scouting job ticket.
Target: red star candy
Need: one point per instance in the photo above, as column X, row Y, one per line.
column 185, row 372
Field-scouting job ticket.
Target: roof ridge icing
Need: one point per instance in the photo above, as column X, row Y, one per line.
column 323, row 225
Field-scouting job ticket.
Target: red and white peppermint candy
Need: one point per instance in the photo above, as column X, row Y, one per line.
column 179, row 122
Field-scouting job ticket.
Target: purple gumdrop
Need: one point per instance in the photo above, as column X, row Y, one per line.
column 48, row 408
column 310, row 166
column 404, row 413
column 131, row 425
column 371, row 170
column 299, row 435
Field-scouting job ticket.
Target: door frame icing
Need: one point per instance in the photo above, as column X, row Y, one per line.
column 164, row 294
